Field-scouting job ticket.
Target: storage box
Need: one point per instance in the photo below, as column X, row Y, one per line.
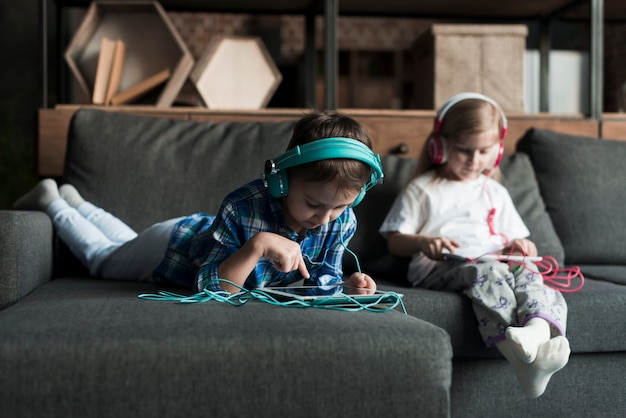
column 488, row 59
column 152, row 45
column 236, row 72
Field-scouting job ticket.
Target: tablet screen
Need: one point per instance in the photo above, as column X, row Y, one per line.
column 329, row 294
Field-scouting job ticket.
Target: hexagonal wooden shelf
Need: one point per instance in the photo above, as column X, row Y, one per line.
column 152, row 45
column 236, row 72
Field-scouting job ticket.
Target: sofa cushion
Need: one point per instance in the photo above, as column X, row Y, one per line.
column 519, row 179
column 145, row 169
column 591, row 312
column 368, row 244
column 91, row 348
column 612, row 273
column 581, row 181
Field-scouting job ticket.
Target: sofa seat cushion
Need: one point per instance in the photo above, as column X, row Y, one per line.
column 582, row 183
column 611, row 273
column 91, row 348
column 592, row 325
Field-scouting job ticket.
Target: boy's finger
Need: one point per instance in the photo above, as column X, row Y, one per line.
column 302, row 268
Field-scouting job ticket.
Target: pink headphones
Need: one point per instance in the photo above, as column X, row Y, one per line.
column 437, row 146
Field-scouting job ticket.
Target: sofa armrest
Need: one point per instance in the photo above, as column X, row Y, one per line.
column 26, row 253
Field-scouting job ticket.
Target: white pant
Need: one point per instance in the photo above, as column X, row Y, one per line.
column 108, row 247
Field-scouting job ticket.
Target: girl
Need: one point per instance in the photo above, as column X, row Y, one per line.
column 455, row 207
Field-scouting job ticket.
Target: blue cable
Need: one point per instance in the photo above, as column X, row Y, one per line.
column 245, row 295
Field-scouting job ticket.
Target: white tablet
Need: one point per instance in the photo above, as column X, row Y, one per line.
column 492, row 257
column 337, row 294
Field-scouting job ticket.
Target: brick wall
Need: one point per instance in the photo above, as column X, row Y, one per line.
column 371, row 34
column 355, row 33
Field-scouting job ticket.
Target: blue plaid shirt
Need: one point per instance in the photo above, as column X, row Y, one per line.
column 200, row 243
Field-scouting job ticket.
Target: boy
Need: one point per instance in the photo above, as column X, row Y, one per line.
column 293, row 224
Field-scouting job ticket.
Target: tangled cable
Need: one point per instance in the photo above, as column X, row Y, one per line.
column 558, row 278
column 341, row 301
column 555, row 277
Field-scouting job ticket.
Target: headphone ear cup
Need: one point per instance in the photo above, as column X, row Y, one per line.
column 277, row 184
column 437, row 149
column 499, row 154
column 359, row 198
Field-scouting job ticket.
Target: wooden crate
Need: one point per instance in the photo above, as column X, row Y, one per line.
column 152, row 45
column 488, row 59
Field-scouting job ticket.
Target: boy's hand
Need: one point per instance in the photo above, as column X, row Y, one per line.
column 284, row 253
column 361, row 281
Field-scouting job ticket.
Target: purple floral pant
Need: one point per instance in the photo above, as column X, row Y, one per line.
column 501, row 298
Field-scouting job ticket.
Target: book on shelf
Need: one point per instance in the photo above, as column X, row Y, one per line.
column 141, row 88
column 103, row 70
column 117, row 69
column 109, row 70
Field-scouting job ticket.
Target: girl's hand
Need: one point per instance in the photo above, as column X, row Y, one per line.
column 433, row 247
column 361, row 281
column 521, row 246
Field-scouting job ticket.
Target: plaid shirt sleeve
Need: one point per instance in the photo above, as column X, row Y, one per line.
column 222, row 240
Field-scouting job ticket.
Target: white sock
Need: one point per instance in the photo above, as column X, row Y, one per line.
column 71, row 195
column 526, row 340
column 40, row 197
column 552, row 356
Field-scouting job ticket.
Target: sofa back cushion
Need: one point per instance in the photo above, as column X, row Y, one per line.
column 368, row 244
column 519, row 179
column 145, row 169
column 582, row 183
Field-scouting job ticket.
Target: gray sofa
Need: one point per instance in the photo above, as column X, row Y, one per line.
column 71, row 345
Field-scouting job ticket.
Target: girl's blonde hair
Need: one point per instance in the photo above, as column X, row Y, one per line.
column 467, row 116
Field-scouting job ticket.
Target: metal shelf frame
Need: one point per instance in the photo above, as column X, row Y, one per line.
column 331, row 10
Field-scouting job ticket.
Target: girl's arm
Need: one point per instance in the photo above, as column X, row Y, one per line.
column 406, row 245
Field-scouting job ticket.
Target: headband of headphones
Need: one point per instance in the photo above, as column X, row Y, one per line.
column 321, row 149
column 466, row 96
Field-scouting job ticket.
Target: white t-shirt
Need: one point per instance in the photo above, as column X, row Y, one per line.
column 458, row 211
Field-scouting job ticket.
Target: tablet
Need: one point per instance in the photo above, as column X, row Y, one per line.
column 492, row 257
column 336, row 294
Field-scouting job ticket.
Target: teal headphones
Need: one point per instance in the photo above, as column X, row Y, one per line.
column 275, row 177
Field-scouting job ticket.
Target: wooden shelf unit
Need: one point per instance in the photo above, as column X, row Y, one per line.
column 543, row 11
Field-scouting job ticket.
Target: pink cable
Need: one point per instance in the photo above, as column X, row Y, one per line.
column 560, row 279
column 555, row 277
